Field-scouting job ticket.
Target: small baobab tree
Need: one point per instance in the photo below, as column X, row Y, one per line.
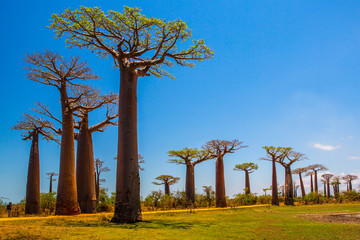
column 300, row 171
column 316, row 168
column 52, row 179
column 32, row 127
column 327, row 177
column 247, row 168
column 275, row 154
column 99, row 169
column 267, row 189
column 140, row 46
column 166, row 180
column 52, row 69
column 311, row 174
column 218, row 149
column 349, row 178
column 189, row 157
column 336, row 184
column 296, row 187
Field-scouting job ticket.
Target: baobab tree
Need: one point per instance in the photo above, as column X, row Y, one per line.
column 166, row 180
column 349, row 178
column 311, row 174
column 267, row 189
column 219, row 148
column 99, row 169
column 247, row 168
column 139, row 46
column 300, row 171
column 336, row 184
column 327, row 177
column 32, row 127
column 296, row 189
column 275, row 154
column 316, row 168
column 52, row 69
column 323, row 181
column 52, row 179
column 189, row 157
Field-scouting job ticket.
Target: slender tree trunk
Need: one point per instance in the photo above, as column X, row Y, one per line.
column 32, row 205
column 167, row 188
column 334, row 189
column 311, row 183
column 338, row 188
column 50, row 190
column 97, row 187
column 66, row 201
column 289, row 194
column 190, row 183
column 315, row 181
column 302, row 186
column 220, row 183
column 324, row 189
column 350, row 186
column 275, row 197
column 247, row 183
column 347, row 186
column 85, row 168
column 328, row 189
column 127, row 203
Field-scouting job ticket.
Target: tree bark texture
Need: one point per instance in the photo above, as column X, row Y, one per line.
column 275, row 197
column 85, row 177
column 316, row 182
column 66, row 201
column 324, row 189
column 350, row 186
column 127, row 203
column 167, row 188
column 32, row 205
column 190, row 183
column 311, row 183
column 302, row 186
column 328, row 189
column 220, row 183
column 289, row 194
column 247, row 183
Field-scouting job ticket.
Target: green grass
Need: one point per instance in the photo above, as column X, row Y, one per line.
column 247, row 223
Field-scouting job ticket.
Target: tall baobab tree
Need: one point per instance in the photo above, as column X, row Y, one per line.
column 218, row 149
column 316, row 168
column 311, row 174
column 52, row 69
column 336, row 184
column 99, row 169
column 32, row 127
column 290, row 158
column 300, row 171
column 139, row 46
column 247, row 168
column 275, row 154
column 327, row 177
column 166, row 180
column 349, row 178
column 189, row 157
column 52, row 179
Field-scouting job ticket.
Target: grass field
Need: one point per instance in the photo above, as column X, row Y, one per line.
column 259, row 222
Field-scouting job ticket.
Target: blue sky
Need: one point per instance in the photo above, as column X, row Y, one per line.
column 284, row 73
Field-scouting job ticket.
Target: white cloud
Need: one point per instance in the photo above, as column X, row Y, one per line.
column 354, row 157
column 325, row 147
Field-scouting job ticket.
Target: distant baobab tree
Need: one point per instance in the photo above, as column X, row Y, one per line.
column 296, row 189
column 32, row 127
column 336, row 184
column 247, row 168
column 281, row 190
column 52, row 179
column 327, row 177
column 140, row 47
column 189, row 157
column 166, row 180
column 267, row 189
column 324, row 182
column 311, row 174
column 275, row 154
column 349, row 178
column 300, row 171
column 316, row 168
column 218, row 149
column 52, row 69
column 99, row 169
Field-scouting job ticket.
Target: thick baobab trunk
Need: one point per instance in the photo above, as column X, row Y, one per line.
column 85, row 168
column 127, row 203
column 220, row 183
column 32, row 205
column 66, row 201
column 247, row 183
column 311, row 183
column 167, row 188
column 328, row 189
column 324, row 189
column 315, row 181
column 289, row 194
column 275, row 197
column 190, row 183
column 302, row 186
column 350, row 186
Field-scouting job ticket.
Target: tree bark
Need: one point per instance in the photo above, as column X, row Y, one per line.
column 127, row 203
column 289, row 194
column 167, row 188
column 97, row 187
column 275, row 197
column 350, row 186
column 311, row 183
column 315, row 181
column 190, row 183
column 328, row 189
column 324, row 189
column 85, row 168
column 220, row 183
column 302, row 186
column 50, row 188
column 32, row 205
column 66, row 201
column 247, row 183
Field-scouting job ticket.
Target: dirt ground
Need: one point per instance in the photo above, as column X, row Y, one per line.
column 352, row 218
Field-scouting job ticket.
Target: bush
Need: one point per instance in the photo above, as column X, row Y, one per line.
column 106, row 203
column 264, row 199
column 350, row 196
column 245, row 199
column 47, row 202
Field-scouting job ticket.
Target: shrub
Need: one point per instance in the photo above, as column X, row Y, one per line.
column 47, row 202
column 245, row 199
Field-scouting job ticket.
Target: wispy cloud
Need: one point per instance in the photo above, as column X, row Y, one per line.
column 354, row 157
column 325, row 147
